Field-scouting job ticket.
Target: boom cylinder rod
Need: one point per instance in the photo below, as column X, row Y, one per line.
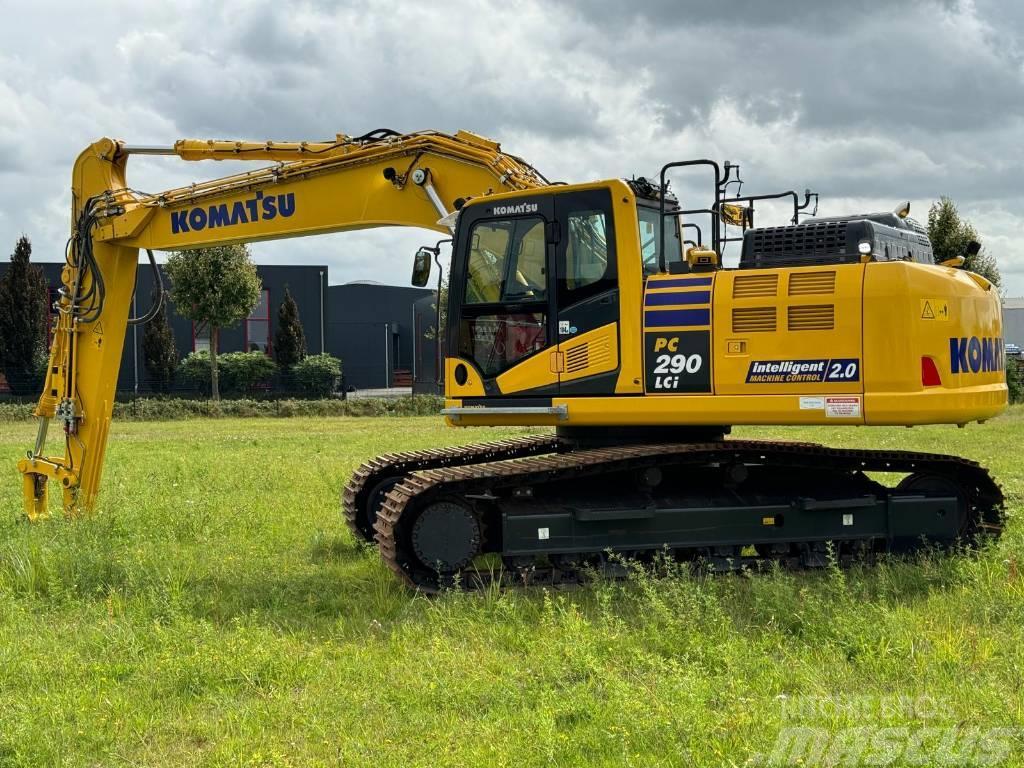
column 142, row 149
column 435, row 199
column 44, row 425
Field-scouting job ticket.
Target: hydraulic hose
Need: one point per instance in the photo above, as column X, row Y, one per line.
column 158, row 304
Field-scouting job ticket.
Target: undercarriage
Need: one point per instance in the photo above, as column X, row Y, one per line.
column 556, row 508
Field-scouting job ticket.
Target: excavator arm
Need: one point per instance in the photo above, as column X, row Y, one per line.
column 380, row 179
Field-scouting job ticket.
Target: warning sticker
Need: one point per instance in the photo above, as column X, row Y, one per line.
column 842, row 407
column 934, row 309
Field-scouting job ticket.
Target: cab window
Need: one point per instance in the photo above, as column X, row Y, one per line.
column 507, row 261
column 650, row 242
column 586, row 246
column 586, row 255
column 505, row 314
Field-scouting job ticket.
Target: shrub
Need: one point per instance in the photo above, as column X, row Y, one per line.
column 318, row 375
column 16, row 411
column 240, row 372
column 194, row 369
column 1015, row 378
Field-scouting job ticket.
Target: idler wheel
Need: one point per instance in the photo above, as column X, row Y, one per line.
column 446, row 537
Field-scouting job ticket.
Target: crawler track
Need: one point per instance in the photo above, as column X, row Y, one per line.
column 499, row 483
column 365, row 491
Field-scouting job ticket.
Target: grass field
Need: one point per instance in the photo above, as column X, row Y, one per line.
column 215, row 612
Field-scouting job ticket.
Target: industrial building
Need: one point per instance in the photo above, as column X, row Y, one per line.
column 371, row 327
column 1013, row 321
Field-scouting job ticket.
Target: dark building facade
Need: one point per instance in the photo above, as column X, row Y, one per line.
column 381, row 339
column 307, row 284
column 427, row 378
column 372, row 328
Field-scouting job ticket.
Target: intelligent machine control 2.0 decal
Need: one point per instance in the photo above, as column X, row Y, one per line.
column 837, row 369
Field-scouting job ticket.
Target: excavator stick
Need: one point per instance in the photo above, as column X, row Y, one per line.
column 88, row 338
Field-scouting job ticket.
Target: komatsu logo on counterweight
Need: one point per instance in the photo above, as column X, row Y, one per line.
column 969, row 354
column 258, row 208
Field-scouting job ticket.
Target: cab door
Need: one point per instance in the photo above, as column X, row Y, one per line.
column 586, row 293
column 503, row 293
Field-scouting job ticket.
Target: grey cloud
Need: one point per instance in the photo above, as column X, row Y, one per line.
column 270, row 73
column 916, row 68
column 865, row 101
column 746, row 14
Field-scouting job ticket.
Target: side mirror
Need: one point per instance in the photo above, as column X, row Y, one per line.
column 973, row 248
column 421, row 267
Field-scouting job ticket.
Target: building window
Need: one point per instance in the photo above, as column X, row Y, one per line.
column 257, row 326
column 201, row 338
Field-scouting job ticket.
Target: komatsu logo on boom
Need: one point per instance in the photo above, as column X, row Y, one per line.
column 259, row 208
column 969, row 354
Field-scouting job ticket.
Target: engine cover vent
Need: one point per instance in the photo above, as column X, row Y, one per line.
column 791, row 246
column 813, row 317
column 596, row 354
column 755, row 286
column 811, row 283
column 753, row 320
column 577, row 358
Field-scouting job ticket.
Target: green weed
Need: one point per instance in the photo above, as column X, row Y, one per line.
column 216, row 612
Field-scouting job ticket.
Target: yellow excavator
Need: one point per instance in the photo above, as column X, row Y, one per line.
column 585, row 308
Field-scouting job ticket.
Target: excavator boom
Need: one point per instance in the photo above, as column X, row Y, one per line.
column 380, row 179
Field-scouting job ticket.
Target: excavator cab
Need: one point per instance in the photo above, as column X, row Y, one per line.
column 534, row 293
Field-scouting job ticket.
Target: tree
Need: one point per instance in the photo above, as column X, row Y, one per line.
column 950, row 236
column 24, row 295
column 215, row 287
column 159, row 352
column 289, row 339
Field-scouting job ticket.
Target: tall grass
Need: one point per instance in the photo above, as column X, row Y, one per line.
column 215, row 612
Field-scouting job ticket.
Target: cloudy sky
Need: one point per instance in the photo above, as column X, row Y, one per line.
column 868, row 103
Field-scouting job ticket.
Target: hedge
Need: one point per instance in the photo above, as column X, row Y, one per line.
column 1015, row 378
column 317, row 375
column 240, row 372
column 169, row 409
